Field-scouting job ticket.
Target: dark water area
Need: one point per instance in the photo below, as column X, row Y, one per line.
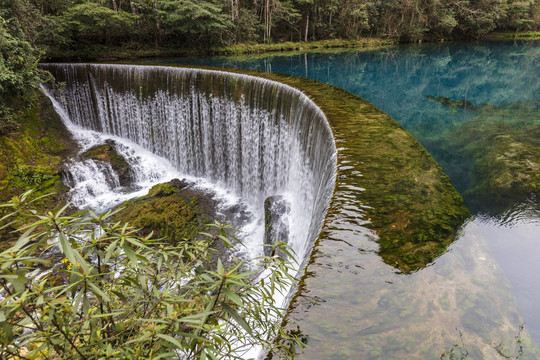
column 476, row 109
column 439, row 92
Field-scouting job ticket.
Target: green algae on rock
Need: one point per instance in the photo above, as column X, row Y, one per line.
column 500, row 148
column 172, row 211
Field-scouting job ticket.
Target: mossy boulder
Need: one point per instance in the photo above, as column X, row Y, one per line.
column 173, row 210
column 453, row 104
column 108, row 153
column 510, row 172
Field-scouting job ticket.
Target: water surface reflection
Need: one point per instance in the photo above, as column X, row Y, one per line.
column 483, row 288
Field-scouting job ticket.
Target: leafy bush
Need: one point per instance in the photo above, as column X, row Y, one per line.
column 79, row 287
column 19, row 76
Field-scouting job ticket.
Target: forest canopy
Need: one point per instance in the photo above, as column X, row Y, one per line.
column 29, row 28
column 204, row 23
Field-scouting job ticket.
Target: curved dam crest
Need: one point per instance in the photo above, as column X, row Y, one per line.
column 251, row 136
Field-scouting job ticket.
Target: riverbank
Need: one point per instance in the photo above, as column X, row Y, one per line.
column 31, row 155
column 32, row 152
column 107, row 53
column 503, row 36
column 141, row 51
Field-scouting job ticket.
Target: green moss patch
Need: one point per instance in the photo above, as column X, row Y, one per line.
column 523, row 35
column 30, row 157
column 171, row 210
column 133, row 51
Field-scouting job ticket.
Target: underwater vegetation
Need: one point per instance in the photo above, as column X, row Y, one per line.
column 494, row 155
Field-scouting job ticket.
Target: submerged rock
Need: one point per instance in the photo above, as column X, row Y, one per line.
column 276, row 224
column 109, row 154
column 454, row 104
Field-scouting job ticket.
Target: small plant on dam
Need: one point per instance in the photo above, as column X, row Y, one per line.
column 81, row 287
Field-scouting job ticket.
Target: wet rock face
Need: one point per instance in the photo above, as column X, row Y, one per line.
column 276, row 224
column 108, row 154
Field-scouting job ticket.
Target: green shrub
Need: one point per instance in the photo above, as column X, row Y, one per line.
column 114, row 295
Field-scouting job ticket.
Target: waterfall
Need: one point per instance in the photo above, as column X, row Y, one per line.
column 251, row 136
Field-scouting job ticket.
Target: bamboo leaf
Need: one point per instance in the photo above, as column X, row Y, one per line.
column 219, row 267
column 170, row 339
column 130, row 253
column 239, row 319
column 233, row 297
column 98, row 291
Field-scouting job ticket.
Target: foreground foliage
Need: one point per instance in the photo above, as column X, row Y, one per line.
column 79, row 287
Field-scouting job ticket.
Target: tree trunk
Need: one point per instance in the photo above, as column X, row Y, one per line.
column 268, row 21
column 158, row 23
column 307, row 28
column 234, row 10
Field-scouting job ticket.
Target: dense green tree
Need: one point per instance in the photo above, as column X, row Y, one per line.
column 79, row 24
column 194, row 21
column 91, row 22
column 518, row 15
column 354, row 17
column 19, row 76
column 477, row 17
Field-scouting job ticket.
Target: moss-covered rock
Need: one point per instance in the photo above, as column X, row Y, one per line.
column 30, row 158
column 172, row 210
column 109, row 154
column 509, row 172
column 453, row 104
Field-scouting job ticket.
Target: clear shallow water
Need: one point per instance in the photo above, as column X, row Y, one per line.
column 486, row 285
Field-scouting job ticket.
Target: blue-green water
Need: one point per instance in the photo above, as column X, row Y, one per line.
column 399, row 80
column 486, row 285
